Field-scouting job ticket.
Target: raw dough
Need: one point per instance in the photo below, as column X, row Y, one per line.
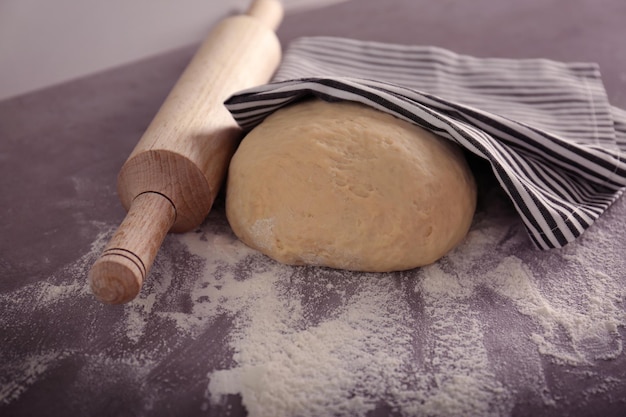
column 350, row 187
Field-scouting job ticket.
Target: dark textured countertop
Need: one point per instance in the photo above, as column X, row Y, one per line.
column 495, row 328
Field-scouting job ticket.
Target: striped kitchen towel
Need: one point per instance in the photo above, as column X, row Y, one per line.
column 556, row 145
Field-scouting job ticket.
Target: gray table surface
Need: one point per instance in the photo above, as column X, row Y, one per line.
column 63, row 353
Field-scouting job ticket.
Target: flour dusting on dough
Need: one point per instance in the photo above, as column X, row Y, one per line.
column 263, row 233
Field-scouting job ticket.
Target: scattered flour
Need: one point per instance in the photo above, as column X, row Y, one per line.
column 19, row 372
column 470, row 335
column 19, row 376
column 310, row 341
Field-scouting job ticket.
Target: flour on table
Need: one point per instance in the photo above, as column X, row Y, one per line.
column 17, row 378
column 315, row 341
column 473, row 334
column 65, row 285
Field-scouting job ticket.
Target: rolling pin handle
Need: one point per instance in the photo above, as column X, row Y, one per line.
column 267, row 12
column 169, row 181
column 117, row 276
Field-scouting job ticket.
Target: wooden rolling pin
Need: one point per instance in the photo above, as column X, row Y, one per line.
column 172, row 176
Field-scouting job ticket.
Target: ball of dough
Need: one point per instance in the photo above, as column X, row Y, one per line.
column 346, row 186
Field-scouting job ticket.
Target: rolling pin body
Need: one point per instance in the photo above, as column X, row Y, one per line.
column 171, row 178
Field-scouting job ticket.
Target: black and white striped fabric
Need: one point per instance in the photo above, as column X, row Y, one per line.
column 556, row 145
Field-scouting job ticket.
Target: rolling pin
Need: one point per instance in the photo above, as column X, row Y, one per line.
column 171, row 178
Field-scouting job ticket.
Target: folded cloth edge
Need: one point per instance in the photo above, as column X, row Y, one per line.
column 558, row 186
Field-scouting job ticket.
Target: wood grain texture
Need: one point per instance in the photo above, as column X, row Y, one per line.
column 117, row 276
column 183, row 155
column 185, row 151
column 65, row 355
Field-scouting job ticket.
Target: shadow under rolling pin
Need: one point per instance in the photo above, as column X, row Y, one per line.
column 171, row 178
